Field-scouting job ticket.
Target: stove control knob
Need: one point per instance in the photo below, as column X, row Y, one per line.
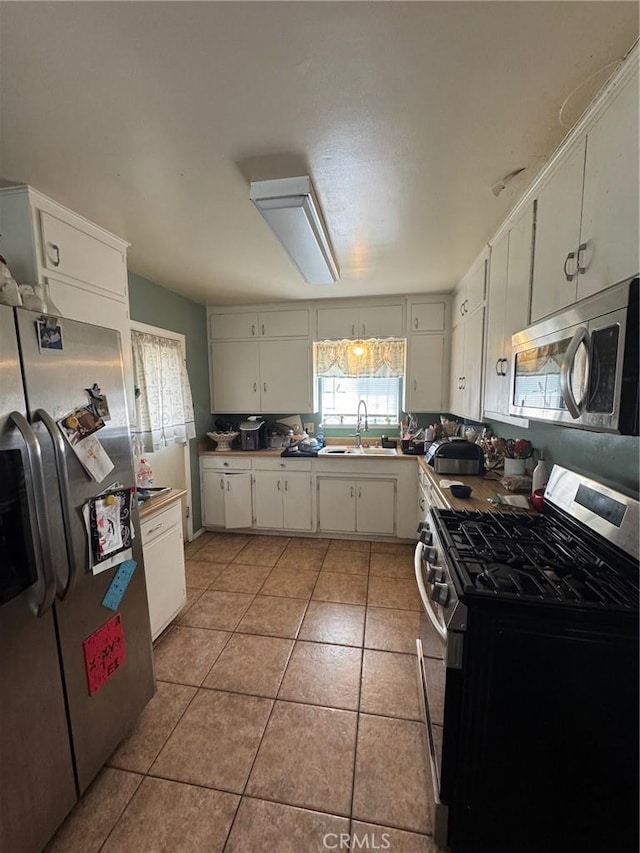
column 435, row 575
column 440, row 593
column 426, row 536
column 431, row 556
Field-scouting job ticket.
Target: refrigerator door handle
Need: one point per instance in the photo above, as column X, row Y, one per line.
column 43, row 556
column 65, row 495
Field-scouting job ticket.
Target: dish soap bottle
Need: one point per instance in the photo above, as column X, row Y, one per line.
column 145, row 474
column 541, row 473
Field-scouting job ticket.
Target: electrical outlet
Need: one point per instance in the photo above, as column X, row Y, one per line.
column 310, row 428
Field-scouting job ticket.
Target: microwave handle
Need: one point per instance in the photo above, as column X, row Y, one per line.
column 574, row 406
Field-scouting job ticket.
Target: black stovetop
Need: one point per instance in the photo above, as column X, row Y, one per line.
column 533, row 558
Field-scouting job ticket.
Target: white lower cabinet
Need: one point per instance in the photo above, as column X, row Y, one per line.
column 356, row 506
column 163, row 551
column 282, row 500
column 226, row 492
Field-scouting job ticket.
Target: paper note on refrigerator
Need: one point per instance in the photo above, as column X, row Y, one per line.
column 104, row 653
column 93, row 457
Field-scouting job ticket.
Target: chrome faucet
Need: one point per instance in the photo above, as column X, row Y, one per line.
column 366, row 422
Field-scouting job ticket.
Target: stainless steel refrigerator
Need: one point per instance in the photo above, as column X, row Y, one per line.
column 54, row 736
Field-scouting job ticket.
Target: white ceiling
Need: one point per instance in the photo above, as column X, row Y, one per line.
column 152, row 118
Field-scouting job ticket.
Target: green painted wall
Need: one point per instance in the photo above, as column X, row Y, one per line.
column 157, row 306
column 615, row 458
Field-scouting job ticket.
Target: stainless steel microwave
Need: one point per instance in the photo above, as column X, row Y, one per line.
column 579, row 368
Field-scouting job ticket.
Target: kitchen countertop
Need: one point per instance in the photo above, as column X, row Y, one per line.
column 155, row 504
column 483, row 489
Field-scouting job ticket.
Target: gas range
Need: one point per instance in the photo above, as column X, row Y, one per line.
column 531, row 559
column 529, row 630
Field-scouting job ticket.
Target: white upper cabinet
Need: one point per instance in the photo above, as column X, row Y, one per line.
column 610, row 227
column 426, row 317
column 508, row 311
column 466, row 366
column 424, row 379
column 557, row 238
column 364, row 321
column 587, row 217
column 70, row 251
column 261, row 376
column 471, row 291
column 229, row 326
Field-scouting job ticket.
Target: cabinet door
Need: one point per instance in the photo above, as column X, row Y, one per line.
column 86, row 307
column 237, row 500
column 286, row 376
column 557, row 234
column 283, row 324
column 427, row 317
column 337, row 505
column 516, row 308
column 610, row 203
column 297, row 500
column 381, row 321
column 475, row 284
column 70, row 252
column 337, row 323
column 425, row 367
column 235, row 376
column 228, row 327
column 472, row 373
column 376, row 506
column 457, row 369
column 267, row 499
column 212, row 498
column 164, row 573
column 495, row 324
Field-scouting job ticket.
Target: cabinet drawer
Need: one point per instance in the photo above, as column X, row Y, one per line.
column 159, row 523
column 219, row 463
column 281, row 464
column 68, row 251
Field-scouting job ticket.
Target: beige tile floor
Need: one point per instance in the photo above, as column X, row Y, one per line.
column 286, row 718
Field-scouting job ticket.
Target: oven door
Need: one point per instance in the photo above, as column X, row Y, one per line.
column 431, row 648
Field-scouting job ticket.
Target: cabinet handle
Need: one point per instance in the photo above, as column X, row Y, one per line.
column 262, row 327
column 353, row 330
column 255, row 387
column 56, row 248
column 364, row 330
column 459, row 383
column 264, row 386
column 278, row 485
column 505, row 369
column 286, row 485
column 415, row 384
column 225, row 464
column 569, row 276
column 352, row 492
column 415, row 323
column 282, row 465
column 253, row 328
column 228, row 485
column 466, row 306
column 462, row 308
column 464, row 382
column 498, row 368
column 421, row 504
column 153, row 529
column 359, row 493
column 222, row 484
column 581, row 248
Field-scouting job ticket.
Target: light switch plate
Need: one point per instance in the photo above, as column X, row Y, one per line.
column 310, row 428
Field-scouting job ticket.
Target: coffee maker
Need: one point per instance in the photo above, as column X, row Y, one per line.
column 253, row 435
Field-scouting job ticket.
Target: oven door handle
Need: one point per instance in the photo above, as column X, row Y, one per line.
column 581, row 336
column 426, row 602
column 441, row 811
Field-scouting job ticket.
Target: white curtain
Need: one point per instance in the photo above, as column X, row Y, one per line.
column 361, row 359
column 164, row 405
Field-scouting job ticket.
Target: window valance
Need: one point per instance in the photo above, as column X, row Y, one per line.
column 364, row 359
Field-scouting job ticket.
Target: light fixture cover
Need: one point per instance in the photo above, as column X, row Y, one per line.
column 290, row 208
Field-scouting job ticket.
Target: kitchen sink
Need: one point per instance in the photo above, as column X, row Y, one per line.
column 344, row 450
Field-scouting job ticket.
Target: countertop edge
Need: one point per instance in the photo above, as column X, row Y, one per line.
column 159, row 502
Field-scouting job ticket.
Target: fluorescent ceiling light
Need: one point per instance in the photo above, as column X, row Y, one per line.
column 290, row 208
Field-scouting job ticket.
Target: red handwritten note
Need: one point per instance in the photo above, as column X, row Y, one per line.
column 104, row 653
